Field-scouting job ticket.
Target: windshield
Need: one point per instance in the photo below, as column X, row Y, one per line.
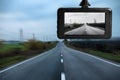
column 31, row 50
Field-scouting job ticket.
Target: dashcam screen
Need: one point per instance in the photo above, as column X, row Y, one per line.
column 84, row 23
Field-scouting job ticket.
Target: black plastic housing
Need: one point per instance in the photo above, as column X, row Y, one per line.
column 60, row 23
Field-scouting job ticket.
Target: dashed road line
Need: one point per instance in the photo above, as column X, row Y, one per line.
column 63, row 76
column 61, row 60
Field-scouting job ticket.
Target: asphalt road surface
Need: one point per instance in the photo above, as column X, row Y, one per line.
column 63, row 63
column 85, row 30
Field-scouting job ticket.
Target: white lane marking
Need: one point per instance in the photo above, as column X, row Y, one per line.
column 23, row 62
column 101, row 59
column 63, row 76
column 61, row 60
column 61, row 55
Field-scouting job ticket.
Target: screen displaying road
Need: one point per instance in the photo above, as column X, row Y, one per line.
column 79, row 23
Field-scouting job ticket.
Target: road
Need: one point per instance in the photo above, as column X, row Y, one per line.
column 73, row 64
column 85, row 30
column 42, row 67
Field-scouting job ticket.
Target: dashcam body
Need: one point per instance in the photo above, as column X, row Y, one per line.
column 84, row 23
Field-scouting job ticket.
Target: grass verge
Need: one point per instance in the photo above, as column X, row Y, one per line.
column 12, row 60
column 9, row 56
column 109, row 56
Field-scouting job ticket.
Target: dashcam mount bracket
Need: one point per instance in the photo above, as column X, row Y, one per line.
column 84, row 4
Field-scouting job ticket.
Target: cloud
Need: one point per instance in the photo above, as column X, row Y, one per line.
column 39, row 16
column 84, row 17
column 12, row 16
column 32, row 16
column 29, row 26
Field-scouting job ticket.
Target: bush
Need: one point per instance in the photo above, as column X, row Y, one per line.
column 16, row 50
column 34, row 44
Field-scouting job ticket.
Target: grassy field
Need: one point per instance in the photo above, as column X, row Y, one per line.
column 14, row 53
column 109, row 56
column 8, row 47
column 12, row 60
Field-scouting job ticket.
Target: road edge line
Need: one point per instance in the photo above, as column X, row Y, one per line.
column 117, row 65
column 96, row 57
column 63, row 76
column 19, row 63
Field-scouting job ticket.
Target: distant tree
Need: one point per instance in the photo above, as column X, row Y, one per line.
column 33, row 44
column 1, row 42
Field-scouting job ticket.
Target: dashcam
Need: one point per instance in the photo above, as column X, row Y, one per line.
column 84, row 23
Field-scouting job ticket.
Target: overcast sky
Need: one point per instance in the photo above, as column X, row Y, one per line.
column 77, row 17
column 40, row 17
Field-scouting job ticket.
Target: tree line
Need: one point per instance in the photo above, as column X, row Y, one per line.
column 112, row 46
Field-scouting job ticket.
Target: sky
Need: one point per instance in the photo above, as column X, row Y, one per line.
column 80, row 17
column 39, row 17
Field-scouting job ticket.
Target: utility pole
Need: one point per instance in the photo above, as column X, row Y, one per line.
column 70, row 21
column 33, row 36
column 21, row 35
column 95, row 21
